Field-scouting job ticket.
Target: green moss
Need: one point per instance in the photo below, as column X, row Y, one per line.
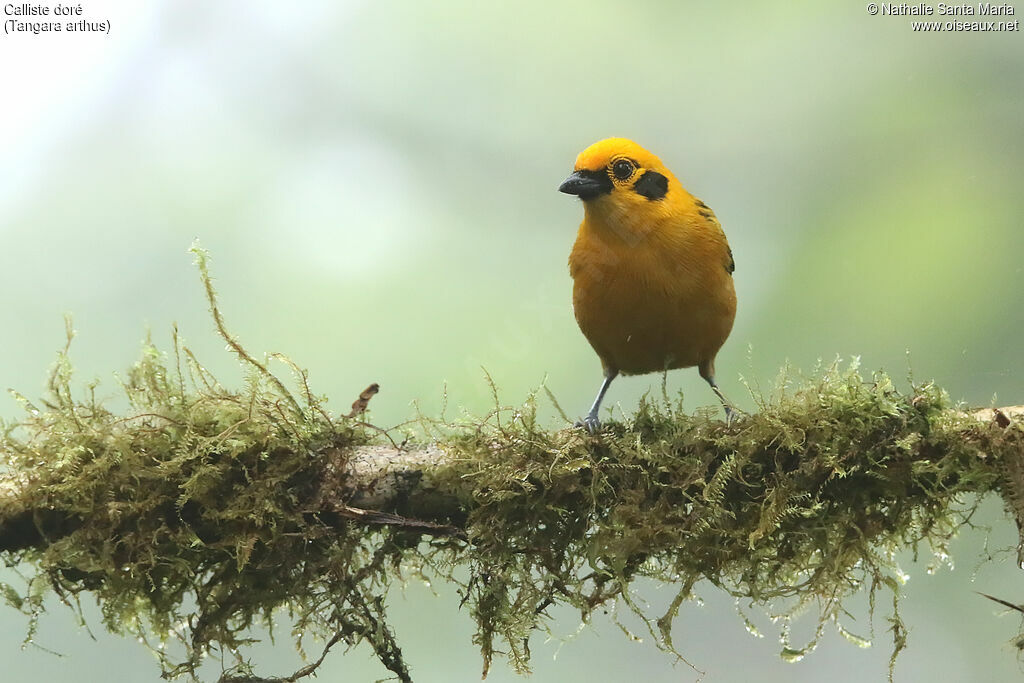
column 204, row 511
column 794, row 508
column 196, row 516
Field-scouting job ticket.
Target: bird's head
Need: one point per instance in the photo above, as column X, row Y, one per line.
column 619, row 170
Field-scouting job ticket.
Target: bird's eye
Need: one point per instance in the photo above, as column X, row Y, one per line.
column 623, row 168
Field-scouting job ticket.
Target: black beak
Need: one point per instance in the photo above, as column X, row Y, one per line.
column 587, row 184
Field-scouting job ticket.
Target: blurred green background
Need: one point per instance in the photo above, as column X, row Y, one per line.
column 377, row 184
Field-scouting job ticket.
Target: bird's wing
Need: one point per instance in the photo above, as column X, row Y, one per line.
column 705, row 211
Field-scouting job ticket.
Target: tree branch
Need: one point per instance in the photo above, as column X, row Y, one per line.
column 399, row 487
column 245, row 504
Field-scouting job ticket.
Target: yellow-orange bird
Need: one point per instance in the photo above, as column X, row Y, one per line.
column 651, row 268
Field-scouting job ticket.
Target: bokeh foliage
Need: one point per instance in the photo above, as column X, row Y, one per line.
column 378, row 180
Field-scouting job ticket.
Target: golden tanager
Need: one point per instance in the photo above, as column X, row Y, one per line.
column 651, row 268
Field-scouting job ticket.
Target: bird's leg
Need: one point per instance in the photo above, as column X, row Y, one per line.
column 730, row 412
column 591, row 422
column 708, row 373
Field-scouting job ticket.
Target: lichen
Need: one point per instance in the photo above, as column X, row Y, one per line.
column 201, row 513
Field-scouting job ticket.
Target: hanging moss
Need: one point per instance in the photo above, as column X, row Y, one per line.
column 195, row 516
column 793, row 508
column 204, row 511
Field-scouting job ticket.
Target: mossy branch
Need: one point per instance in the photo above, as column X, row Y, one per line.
column 203, row 511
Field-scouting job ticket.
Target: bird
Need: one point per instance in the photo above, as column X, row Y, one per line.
column 652, row 270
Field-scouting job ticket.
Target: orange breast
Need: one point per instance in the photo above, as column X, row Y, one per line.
column 662, row 302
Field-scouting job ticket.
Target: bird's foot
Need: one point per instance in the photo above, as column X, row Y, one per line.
column 732, row 413
column 590, row 423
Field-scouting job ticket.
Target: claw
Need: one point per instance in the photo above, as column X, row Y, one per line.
column 590, row 423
